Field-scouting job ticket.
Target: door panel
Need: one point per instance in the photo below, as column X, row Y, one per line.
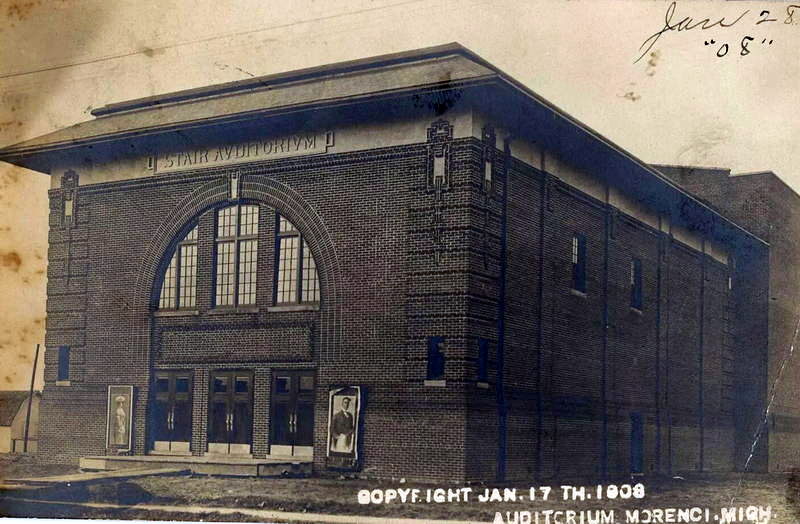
column 218, row 422
column 304, row 434
column 292, row 413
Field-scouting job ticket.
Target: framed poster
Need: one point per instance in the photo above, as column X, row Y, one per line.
column 344, row 407
column 119, row 418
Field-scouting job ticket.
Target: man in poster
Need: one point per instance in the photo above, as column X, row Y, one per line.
column 342, row 428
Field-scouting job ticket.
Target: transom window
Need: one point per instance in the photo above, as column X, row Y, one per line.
column 179, row 287
column 296, row 272
column 236, row 255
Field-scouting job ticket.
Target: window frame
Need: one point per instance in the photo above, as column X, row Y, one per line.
column 579, row 259
column 236, row 239
column 62, row 370
column 436, row 361
column 482, row 363
column 637, row 291
column 301, row 265
column 176, row 285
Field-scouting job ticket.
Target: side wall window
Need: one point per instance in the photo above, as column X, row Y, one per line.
column 296, row 279
column 63, row 363
column 236, row 256
column 579, row 262
column 483, row 360
column 636, row 284
column 436, row 358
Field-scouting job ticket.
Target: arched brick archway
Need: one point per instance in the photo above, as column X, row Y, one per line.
column 257, row 188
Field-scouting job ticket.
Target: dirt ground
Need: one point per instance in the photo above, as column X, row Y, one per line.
column 340, row 496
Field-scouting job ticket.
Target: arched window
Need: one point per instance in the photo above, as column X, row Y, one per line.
column 296, row 272
column 236, row 256
column 179, row 287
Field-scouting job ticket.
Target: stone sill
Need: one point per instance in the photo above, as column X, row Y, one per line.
column 636, row 310
column 293, row 307
column 435, row 383
column 176, row 313
column 577, row 293
column 482, row 385
column 232, row 310
column 63, row 383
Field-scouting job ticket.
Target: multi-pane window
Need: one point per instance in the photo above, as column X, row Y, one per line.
column 296, row 274
column 236, row 256
column 179, row 287
column 579, row 262
column 636, row 283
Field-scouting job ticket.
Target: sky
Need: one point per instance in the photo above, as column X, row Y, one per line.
column 696, row 97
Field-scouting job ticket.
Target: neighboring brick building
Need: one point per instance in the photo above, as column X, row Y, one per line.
column 515, row 296
column 765, row 205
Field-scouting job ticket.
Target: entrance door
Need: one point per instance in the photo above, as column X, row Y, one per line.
column 172, row 412
column 637, row 443
column 230, row 412
column 292, row 414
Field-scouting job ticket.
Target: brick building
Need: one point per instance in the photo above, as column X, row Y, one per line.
column 503, row 292
column 765, row 205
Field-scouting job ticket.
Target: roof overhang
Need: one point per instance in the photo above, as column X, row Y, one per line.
column 434, row 79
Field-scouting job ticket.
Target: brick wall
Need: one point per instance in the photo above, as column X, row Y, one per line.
column 401, row 261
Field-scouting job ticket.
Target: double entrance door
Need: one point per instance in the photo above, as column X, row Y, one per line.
column 230, row 412
column 292, row 413
column 172, row 412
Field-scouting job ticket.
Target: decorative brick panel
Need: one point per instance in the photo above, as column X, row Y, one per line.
column 274, row 344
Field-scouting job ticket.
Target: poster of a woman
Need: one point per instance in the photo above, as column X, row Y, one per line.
column 119, row 418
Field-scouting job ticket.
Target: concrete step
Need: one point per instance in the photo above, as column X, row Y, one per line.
column 205, row 465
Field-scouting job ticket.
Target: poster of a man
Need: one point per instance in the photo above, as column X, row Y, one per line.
column 343, row 425
column 342, row 428
column 118, row 435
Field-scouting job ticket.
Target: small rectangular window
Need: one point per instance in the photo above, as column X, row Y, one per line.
column 63, row 363
column 435, row 358
column 579, row 262
column 636, row 283
column 483, row 360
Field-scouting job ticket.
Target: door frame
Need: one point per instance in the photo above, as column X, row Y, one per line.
column 295, row 394
column 173, row 447
column 228, row 448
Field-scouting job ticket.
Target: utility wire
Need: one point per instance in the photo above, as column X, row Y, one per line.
column 205, row 40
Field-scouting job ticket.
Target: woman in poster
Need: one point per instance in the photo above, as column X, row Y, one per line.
column 120, row 416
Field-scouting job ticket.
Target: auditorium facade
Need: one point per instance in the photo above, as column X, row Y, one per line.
column 405, row 266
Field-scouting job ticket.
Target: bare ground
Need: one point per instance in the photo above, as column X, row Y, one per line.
column 337, row 496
